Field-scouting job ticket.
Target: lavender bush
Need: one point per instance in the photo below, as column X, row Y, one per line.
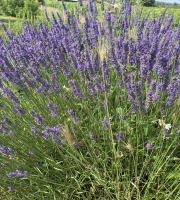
column 89, row 108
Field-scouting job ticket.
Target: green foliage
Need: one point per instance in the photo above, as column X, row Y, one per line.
column 41, row 2
column 30, row 8
column 148, row 3
column 14, row 7
column 164, row 5
column 9, row 7
column 58, row 4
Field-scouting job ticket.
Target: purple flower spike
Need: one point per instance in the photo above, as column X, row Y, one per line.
column 91, row 134
column 53, row 109
column 18, row 173
column 19, row 110
column 102, row 5
column 25, row 173
column 7, row 151
column 117, row 136
column 11, row 133
column 121, row 135
column 9, row 94
column 31, row 152
column 1, row 165
column 121, row 117
column 37, row 118
column 46, row 15
column 10, row 174
column 75, row 119
column 149, row 145
column 110, row 116
column 10, row 188
column 80, row 2
column 105, row 122
column 74, row 143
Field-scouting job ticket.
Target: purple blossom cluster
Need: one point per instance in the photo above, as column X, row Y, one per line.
column 7, row 150
column 146, row 61
column 149, row 145
column 53, row 109
column 74, row 118
column 119, row 135
column 37, row 118
column 91, row 136
column 105, row 123
column 4, row 129
column 18, row 173
column 54, row 132
column 2, row 165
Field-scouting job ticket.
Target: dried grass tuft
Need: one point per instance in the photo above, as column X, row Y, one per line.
column 67, row 135
column 102, row 51
column 129, row 147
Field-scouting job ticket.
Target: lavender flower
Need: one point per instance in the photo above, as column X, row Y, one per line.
column 105, row 122
column 10, row 174
column 37, row 118
column 74, row 143
column 91, row 134
column 31, row 152
column 75, row 119
column 110, row 116
column 18, row 173
column 19, row 110
column 149, row 94
column 7, row 151
column 46, row 15
column 117, row 136
column 121, row 135
column 66, row 96
column 149, row 145
column 9, row 94
column 163, row 106
column 74, row 89
column 165, row 131
column 10, row 188
column 80, row 2
column 53, row 109
column 102, row 5
column 6, row 119
column 11, row 133
column 173, row 90
column 121, row 117
column 2, row 166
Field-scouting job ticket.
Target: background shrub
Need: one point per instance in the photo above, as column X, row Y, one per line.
column 30, row 8
column 9, row 6
column 148, row 3
column 13, row 7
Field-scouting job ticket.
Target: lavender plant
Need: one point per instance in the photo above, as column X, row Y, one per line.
column 97, row 116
